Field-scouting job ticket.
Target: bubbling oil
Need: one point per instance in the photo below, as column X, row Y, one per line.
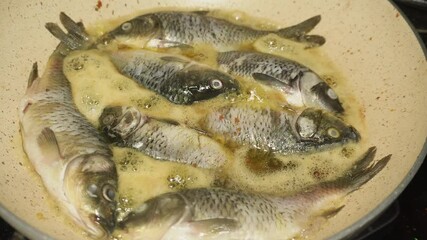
column 96, row 84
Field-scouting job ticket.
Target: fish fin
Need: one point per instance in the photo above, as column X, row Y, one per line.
column 362, row 171
column 176, row 123
column 48, row 142
column 299, row 32
column 266, row 78
column 34, row 74
column 201, row 131
column 171, row 44
column 168, row 121
column 270, row 80
column 174, row 59
column 214, row 226
column 66, row 39
column 77, row 37
column 77, row 29
column 201, row 12
column 332, row 212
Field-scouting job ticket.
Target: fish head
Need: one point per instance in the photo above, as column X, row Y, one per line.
column 144, row 26
column 119, row 122
column 320, row 128
column 90, row 186
column 156, row 216
column 198, row 84
column 317, row 93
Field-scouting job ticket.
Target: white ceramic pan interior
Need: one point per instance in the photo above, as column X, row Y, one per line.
column 369, row 41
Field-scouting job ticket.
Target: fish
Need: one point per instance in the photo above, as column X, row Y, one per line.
column 166, row 29
column 161, row 139
column 178, row 79
column 279, row 131
column 218, row 213
column 300, row 86
column 71, row 157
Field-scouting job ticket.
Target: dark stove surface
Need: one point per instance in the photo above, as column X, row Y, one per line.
column 406, row 218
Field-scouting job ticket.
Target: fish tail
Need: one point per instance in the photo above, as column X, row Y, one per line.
column 76, row 39
column 325, row 199
column 299, row 32
column 362, row 171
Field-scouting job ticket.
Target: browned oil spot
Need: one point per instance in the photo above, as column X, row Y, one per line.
column 98, row 5
column 40, row 216
column 318, row 173
column 261, row 163
column 236, row 120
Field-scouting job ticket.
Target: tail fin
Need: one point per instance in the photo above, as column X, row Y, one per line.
column 77, row 37
column 362, row 171
column 299, row 32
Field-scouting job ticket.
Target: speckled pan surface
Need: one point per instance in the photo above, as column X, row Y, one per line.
column 368, row 40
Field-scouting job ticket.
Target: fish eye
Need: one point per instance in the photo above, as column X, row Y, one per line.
column 127, row 26
column 92, row 190
column 108, row 119
column 331, row 93
column 108, row 192
column 216, row 84
column 333, row 132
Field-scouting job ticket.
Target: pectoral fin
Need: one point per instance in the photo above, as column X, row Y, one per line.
column 269, row 80
column 174, row 59
column 171, row 44
column 215, row 226
column 49, row 145
column 168, row 121
column 201, row 12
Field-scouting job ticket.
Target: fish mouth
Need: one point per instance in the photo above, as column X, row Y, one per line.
column 99, row 226
column 105, row 39
column 354, row 134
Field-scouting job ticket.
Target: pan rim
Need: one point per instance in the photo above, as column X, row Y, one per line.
column 33, row 233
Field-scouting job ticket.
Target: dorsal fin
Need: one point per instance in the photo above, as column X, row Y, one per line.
column 201, row 12
column 34, row 74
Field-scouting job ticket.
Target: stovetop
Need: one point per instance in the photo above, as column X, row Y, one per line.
column 406, row 218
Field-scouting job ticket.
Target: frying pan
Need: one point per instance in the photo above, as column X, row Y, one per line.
column 369, row 41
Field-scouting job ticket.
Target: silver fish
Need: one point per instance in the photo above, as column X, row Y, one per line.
column 284, row 131
column 179, row 79
column 163, row 140
column 301, row 86
column 183, row 29
column 72, row 159
column 214, row 213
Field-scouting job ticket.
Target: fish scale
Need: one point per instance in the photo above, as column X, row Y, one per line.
column 206, row 29
column 217, row 213
column 300, row 86
column 155, row 136
column 68, row 153
column 160, row 139
column 279, row 131
column 179, row 79
column 247, row 63
column 185, row 29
